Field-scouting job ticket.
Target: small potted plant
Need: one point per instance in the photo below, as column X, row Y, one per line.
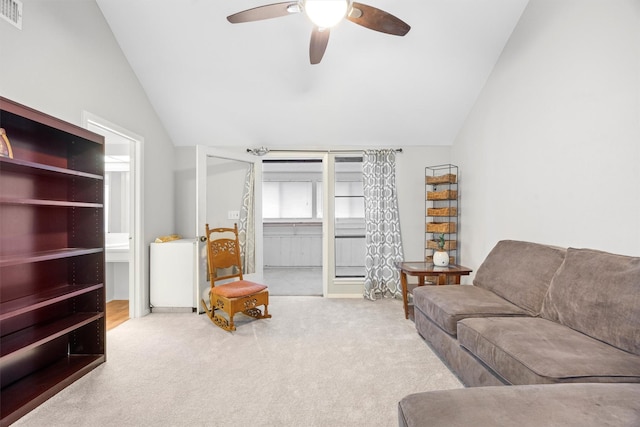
column 440, row 256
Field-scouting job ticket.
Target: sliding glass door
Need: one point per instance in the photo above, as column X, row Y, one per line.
column 348, row 218
column 314, row 219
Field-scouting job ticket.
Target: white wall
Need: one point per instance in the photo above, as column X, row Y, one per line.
column 225, row 187
column 65, row 61
column 551, row 151
column 185, row 185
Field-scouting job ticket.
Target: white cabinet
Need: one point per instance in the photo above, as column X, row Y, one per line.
column 173, row 275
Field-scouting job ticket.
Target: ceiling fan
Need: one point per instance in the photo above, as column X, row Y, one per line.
column 325, row 14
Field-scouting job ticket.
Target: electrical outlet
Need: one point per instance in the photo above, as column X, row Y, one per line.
column 233, row 215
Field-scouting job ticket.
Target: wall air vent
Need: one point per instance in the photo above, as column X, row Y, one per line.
column 11, row 10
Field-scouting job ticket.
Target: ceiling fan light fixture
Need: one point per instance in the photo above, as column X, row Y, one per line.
column 326, row 13
column 294, row 8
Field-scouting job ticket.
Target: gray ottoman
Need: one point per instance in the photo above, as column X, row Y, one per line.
column 526, row 405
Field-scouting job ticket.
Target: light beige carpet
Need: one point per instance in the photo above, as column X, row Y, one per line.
column 317, row 362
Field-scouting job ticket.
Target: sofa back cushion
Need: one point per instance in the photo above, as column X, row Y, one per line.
column 598, row 294
column 520, row 272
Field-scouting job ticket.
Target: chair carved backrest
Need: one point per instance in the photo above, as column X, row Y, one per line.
column 225, row 263
column 223, row 254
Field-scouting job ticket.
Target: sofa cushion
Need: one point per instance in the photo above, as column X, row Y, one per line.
column 446, row 305
column 528, row 350
column 598, row 294
column 583, row 405
column 520, row 272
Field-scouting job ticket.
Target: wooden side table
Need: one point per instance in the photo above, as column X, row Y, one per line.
column 446, row 275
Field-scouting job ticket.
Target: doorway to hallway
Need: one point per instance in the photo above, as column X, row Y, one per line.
column 123, row 213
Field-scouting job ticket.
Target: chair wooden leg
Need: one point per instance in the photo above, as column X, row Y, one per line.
column 217, row 319
column 223, row 323
column 232, row 327
column 231, row 307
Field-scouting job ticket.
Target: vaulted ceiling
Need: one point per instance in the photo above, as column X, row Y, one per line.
column 251, row 84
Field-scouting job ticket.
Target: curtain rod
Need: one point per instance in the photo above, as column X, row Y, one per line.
column 264, row 150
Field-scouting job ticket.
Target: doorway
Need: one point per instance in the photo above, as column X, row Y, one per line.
column 293, row 226
column 220, row 181
column 322, row 190
column 123, row 213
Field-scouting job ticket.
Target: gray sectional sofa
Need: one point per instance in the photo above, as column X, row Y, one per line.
column 538, row 314
column 538, row 405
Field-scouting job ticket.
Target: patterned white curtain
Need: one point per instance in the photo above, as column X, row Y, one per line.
column 382, row 223
column 246, row 226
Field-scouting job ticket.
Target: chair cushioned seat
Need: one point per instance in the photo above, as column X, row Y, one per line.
column 525, row 350
column 446, row 305
column 238, row 289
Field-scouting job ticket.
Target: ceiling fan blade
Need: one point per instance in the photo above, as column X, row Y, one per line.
column 319, row 41
column 269, row 11
column 378, row 20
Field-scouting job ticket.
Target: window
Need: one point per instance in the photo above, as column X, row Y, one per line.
column 349, row 198
column 292, row 190
column 287, row 200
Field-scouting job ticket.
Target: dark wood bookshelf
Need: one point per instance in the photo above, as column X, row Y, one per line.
column 40, row 169
column 52, row 295
column 28, row 338
column 57, row 376
column 23, row 305
column 59, row 203
column 28, row 258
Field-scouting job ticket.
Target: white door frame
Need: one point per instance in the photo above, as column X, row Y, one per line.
column 202, row 154
column 137, row 305
column 336, row 287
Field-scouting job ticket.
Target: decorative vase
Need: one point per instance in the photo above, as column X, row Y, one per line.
column 441, row 258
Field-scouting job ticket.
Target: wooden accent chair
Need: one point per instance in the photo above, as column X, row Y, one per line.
column 223, row 256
